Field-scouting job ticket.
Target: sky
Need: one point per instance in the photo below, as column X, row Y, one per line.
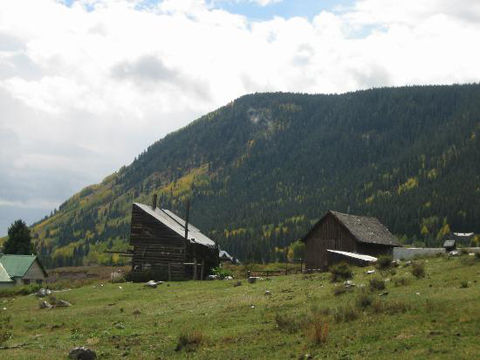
column 87, row 85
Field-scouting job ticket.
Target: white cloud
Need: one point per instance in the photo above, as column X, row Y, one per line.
column 266, row 2
column 83, row 89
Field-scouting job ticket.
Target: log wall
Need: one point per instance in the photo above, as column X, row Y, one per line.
column 155, row 246
column 328, row 234
column 160, row 250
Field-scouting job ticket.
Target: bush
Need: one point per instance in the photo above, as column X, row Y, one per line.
column 5, row 328
column 389, row 308
column 117, row 277
column 340, row 272
column 345, row 314
column 222, row 273
column 464, row 284
column 290, row 324
column 20, row 290
column 364, row 300
column 401, row 281
column 377, row 284
column 384, row 262
column 189, row 340
column 318, row 330
column 339, row 290
column 418, row 269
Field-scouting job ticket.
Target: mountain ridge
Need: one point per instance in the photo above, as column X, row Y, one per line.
column 261, row 169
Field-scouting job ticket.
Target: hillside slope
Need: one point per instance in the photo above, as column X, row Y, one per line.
column 261, row 169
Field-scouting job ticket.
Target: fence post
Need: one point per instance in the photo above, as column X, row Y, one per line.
column 195, row 268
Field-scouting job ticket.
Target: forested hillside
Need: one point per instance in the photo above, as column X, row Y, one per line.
column 261, row 169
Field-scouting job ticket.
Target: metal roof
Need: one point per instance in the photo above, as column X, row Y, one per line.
column 463, row 234
column 354, row 255
column 18, row 265
column 449, row 243
column 177, row 224
column 225, row 255
column 4, row 277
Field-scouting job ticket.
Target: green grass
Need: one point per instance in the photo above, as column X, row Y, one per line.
column 215, row 320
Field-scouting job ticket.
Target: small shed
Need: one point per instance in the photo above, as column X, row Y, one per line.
column 463, row 238
column 21, row 270
column 168, row 247
column 449, row 245
column 346, row 233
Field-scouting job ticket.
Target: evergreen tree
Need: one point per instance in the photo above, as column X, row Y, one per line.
column 19, row 239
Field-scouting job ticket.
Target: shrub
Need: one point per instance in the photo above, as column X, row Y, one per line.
column 5, row 328
column 395, row 307
column 418, row 269
column 390, row 308
column 117, row 277
column 384, row 262
column 288, row 323
column 345, row 314
column 464, row 284
column 318, row 330
column 222, row 273
column 364, row 300
column 339, row 290
column 401, row 281
column 189, row 340
column 20, row 290
column 340, row 272
column 315, row 309
column 377, row 284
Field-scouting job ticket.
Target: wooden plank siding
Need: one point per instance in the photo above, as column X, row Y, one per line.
column 164, row 252
column 350, row 233
column 327, row 234
column 155, row 246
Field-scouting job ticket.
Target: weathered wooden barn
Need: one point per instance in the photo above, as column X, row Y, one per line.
column 346, row 233
column 168, row 247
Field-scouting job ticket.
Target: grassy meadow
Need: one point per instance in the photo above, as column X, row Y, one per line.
column 301, row 316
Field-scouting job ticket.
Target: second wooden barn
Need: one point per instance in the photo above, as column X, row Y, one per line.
column 168, row 247
column 337, row 235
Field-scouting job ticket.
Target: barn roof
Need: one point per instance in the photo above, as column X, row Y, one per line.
column 18, row 265
column 177, row 224
column 364, row 229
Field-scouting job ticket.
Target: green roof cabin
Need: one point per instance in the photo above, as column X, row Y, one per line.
column 20, row 270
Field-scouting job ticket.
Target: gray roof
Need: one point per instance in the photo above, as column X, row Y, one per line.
column 366, row 229
column 449, row 243
column 225, row 255
column 177, row 224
